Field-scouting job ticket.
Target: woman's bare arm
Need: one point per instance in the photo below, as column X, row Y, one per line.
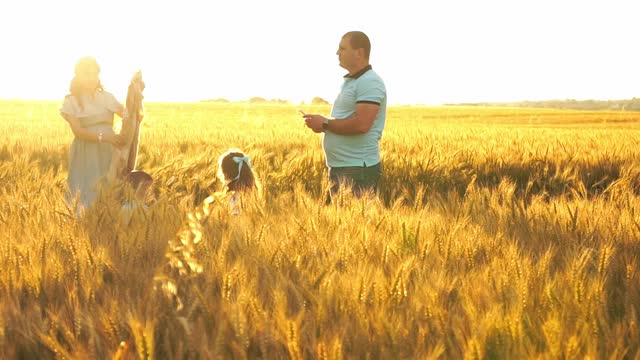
column 88, row 135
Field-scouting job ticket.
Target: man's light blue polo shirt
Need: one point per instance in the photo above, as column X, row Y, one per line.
column 362, row 149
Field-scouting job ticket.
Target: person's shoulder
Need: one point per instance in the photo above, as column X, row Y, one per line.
column 105, row 94
column 69, row 105
column 69, row 98
column 109, row 100
column 372, row 79
column 372, row 75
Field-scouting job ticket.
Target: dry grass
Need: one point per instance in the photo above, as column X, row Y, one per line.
column 501, row 233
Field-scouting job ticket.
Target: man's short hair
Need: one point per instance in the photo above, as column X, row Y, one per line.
column 359, row 40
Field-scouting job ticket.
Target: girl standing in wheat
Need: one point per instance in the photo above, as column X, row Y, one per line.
column 89, row 110
column 237, row 175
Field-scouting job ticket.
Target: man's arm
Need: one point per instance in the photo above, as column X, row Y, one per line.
column 358, row 123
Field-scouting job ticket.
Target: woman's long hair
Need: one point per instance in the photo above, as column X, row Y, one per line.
column 76, row 88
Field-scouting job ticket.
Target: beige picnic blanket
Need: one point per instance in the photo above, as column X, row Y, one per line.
column 124, row 158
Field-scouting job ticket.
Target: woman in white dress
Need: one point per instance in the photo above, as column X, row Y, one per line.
column 89, row 110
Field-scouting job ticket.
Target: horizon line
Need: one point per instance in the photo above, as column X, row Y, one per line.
column 280, row 101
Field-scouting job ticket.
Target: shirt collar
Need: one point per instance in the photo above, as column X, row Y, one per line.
column 359, row 73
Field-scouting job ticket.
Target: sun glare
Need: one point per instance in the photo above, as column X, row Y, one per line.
column 434, row 53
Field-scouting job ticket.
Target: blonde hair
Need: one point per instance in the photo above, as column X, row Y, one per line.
column 85, row 65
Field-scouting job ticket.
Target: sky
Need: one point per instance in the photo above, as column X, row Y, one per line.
column 427, row 52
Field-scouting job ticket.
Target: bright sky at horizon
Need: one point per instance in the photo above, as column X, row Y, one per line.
column 427, row 52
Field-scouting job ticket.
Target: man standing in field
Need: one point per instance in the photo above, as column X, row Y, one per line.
column 352, row 135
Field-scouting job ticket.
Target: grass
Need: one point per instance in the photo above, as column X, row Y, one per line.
column 500, row 233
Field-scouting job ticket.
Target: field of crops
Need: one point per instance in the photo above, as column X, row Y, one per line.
column 497, row 233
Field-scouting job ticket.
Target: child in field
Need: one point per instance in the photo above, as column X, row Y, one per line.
column 236, row 173
column 141, row 183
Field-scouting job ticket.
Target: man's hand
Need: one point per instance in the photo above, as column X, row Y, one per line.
column 314, row 122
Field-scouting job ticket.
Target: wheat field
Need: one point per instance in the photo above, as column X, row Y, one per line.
column 497, row 233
